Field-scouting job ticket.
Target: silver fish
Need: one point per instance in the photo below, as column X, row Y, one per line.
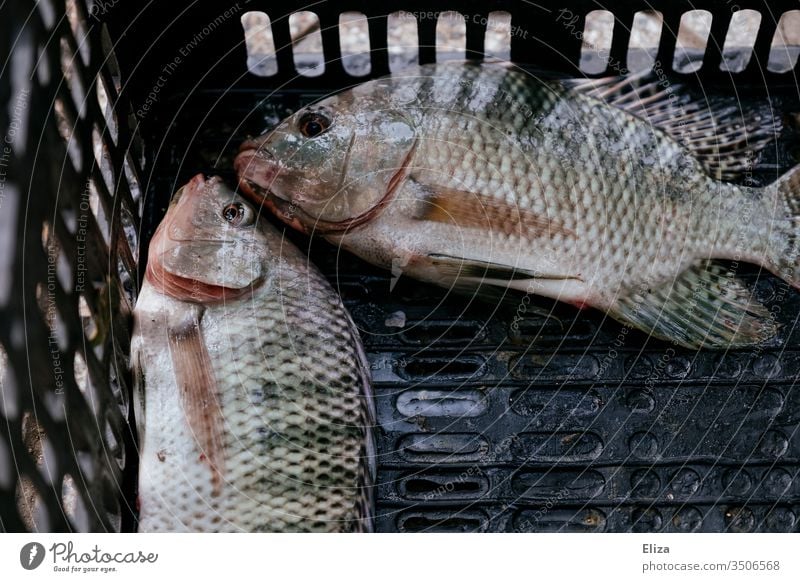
column 613, row 194
column 254, row 403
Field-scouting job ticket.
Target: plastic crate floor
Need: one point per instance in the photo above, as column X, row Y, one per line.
column 548, row 427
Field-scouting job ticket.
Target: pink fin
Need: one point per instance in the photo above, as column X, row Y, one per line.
column 471, row 210
column 198, row 389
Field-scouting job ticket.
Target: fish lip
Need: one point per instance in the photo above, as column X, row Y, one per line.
column 256, row 143
column 281, row 208
column 199, row 182
column 290, row 212
column 194, row 187
column 262, row 174
column 255, row 183
column 248, row 144
column 190, row 189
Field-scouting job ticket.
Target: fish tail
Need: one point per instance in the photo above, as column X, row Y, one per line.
column 785, row 255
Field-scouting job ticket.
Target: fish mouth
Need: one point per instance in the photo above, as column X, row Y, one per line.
column 283, row 209
column 256, row 165
column 252, row 183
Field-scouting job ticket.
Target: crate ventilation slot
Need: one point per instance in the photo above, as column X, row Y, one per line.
column 609, row 43
column 645, row 35
column 438, row 403
column 597, row 35
column 692, row 36
column 438, row 368
column 354, row 38
column 783, row 54
column 442, row 521
column 401, row 27
column 560, row 520
column 741, row 37
column 444, row 486
column 307, row 41
column 451, row 36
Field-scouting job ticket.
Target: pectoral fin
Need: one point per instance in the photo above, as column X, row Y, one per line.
column 703, row 307
column 460, row 268
column 139, row 387
column 488, row 214
column 493, row 281
column 198, row 389
column 452, row 267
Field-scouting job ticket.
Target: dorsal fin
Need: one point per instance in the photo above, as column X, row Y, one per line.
column 723, row 137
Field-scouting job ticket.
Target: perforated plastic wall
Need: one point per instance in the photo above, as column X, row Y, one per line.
column 69, row 195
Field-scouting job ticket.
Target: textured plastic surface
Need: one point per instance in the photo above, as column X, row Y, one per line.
column 549, row 424
column 69, row 203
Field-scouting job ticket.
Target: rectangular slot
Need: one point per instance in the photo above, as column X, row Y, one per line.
column 309, row 60
column 451, row 37
column 443, row 447
column 461, row 521
column 497, row 42
column 557, row 447
column 560, row 520
column 692, row 40
column 402, row 41
column 449, row 486
column 740, row 40
column 554, row 485
column 645, row 36
column 354, row 40
column 430, row 332
column 437, row 403
column 443, row 369
column 260, row 45
column 597, row 35
column 786, row 43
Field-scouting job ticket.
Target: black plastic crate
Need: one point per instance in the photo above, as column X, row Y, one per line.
column 483, row 426
column 71, row 190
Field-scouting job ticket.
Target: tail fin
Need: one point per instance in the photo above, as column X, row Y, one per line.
column 786, row 262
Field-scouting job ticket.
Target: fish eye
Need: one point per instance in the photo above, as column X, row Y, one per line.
column 314, row 123
column 237, row 214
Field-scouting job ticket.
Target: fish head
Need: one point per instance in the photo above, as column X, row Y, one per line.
column 331, row 165
column 209, row 246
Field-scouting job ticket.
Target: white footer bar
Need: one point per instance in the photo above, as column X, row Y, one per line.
column 399, row 557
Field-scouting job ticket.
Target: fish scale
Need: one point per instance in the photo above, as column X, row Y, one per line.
column 294, row 404
column 579, row 207
column 572, row 183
